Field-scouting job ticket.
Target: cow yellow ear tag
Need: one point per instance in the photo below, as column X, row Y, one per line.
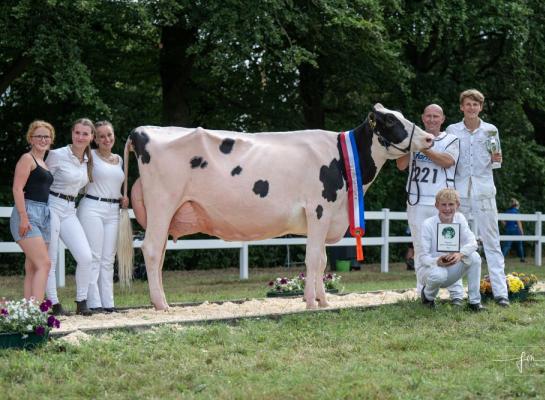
column 356, row 208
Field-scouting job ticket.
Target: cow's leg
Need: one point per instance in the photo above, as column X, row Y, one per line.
column 315, row 261
column 320, row 288
column 153, row 248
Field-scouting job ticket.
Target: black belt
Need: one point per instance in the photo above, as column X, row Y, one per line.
column 63, row 196
column 101, row 199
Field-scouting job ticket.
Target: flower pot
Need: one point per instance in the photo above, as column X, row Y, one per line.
column 16, row 340
column 342, row 265
column 521, row 295
column 295, row 293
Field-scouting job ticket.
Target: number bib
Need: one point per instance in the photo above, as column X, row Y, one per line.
column 425, row 177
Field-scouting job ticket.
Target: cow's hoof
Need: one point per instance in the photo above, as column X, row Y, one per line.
column 161, row 307
column 312, row 305
column 323, row 303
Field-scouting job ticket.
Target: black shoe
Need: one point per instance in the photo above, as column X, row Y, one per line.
column 457, row 302
column 109, row 309
column 410, row 264
column 522, row 260
column 425, row 301
column 96, row 310
column 477, row 307
column 503, row 302
column 82, row 309
column 58, row 311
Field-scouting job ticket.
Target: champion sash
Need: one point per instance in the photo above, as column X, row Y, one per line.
column 356, row 210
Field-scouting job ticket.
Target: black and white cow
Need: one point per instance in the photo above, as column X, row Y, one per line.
column 240, row 186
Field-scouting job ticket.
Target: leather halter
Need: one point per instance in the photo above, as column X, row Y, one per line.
column 385, row 142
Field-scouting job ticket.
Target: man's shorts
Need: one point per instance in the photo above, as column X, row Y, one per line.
column 38, row 216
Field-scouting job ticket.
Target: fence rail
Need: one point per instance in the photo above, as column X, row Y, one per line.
column 384, row 241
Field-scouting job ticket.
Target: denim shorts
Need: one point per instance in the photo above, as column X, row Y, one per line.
column 38, row 216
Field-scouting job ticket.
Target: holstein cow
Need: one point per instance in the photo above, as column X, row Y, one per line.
column 240, row 186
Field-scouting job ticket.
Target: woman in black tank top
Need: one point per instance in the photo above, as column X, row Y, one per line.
column 29, row 222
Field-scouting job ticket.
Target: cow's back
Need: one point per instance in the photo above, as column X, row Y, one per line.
column 235, row 185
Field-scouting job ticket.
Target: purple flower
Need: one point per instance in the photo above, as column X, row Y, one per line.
column 271, row 283
column 283, row 281
column 4, row 311
column 329, row 276
column 44, row 307
column 53, row 322
column 302, row 275
column 40, row 330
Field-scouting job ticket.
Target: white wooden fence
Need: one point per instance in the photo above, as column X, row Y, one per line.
column 384, row 240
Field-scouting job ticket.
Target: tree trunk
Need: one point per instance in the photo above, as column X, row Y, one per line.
column 175, row 66
column 536, row 117
column 311, row 89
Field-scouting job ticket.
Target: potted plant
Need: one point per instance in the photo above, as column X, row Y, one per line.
column 518, row 286
column 285, row 287
column 25, row 323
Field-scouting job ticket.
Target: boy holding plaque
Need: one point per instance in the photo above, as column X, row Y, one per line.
column 449, row 251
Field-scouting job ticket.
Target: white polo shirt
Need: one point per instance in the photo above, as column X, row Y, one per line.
column 428, row 235
column 474, row 178
column 69, row 175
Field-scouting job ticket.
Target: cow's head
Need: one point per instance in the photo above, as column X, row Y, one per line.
column 395, row 133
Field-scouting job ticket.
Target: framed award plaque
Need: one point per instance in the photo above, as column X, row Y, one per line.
column 448, row 238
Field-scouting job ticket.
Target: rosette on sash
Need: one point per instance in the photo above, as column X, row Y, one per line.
column 356, row 210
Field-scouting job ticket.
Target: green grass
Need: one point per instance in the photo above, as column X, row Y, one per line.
column 210, row 285
column 398, row 351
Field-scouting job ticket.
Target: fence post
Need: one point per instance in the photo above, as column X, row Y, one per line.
column 385, row 247
column 537, row 253
column 244, row 261
column 60, row 271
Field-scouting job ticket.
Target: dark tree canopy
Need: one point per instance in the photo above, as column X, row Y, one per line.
column 276, row 65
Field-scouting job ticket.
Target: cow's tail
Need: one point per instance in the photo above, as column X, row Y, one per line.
column 125, row 250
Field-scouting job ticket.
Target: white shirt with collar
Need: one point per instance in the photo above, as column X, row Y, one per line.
column 69, row 174
column 474, row 178
column 429, row 254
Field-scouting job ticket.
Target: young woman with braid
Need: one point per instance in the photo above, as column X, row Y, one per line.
column 71, row 167
column 98, row 213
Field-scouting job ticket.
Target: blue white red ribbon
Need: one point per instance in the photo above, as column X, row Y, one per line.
column 356, row 209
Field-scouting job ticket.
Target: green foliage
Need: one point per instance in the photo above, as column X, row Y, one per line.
column 275, row 65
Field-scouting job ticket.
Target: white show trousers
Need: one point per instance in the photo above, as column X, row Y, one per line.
column 485, row 216
column 416, row 215
column 65, row 224
column 436, row 277
column 100, row 221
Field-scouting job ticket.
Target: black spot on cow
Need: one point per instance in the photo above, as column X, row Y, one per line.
column 332, row 178
column 261, row 188
column 139, row 141
column 197, row 162
column 226, row 145
column 319, row 211
column 236, row 171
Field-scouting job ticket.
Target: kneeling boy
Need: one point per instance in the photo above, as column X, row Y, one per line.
column 442, row 269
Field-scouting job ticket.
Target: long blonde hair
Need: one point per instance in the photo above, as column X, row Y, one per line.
column 87, row 151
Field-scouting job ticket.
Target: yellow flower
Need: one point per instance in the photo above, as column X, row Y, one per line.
column 514, row 283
